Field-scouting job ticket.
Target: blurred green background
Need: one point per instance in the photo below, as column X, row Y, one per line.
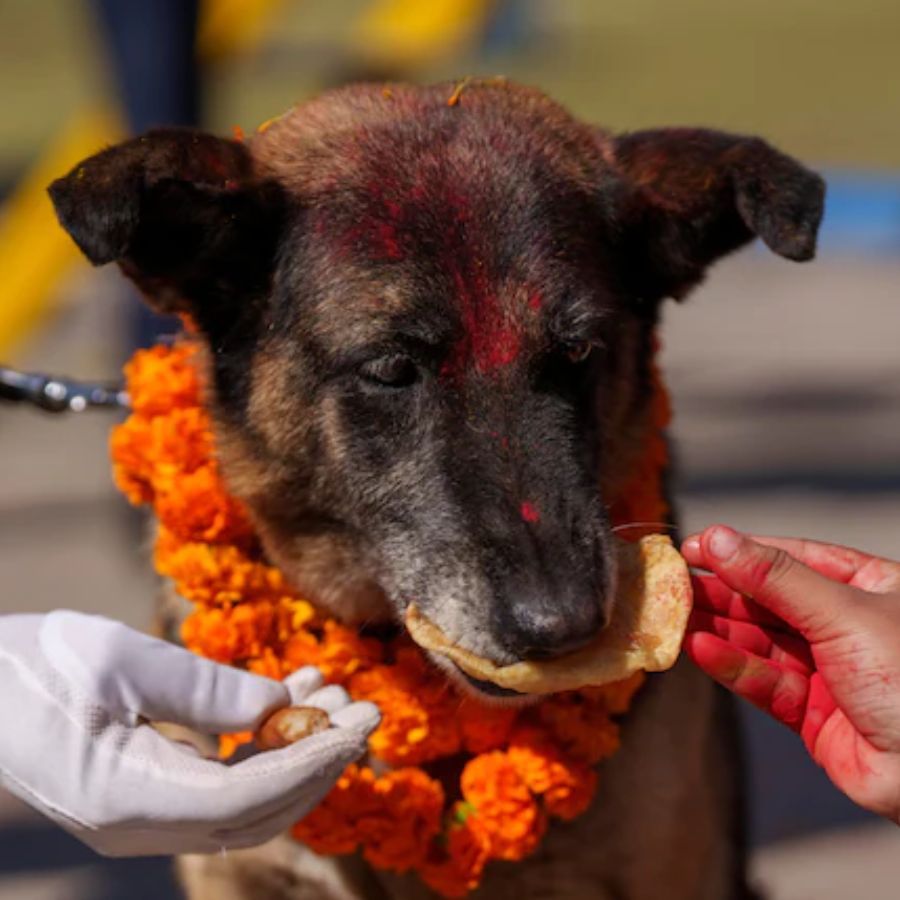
column 820, row 78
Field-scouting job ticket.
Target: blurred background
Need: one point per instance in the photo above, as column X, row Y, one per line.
column 786, row 378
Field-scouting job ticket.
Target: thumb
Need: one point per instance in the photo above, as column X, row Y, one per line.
column 133, row 675
column 810, row 602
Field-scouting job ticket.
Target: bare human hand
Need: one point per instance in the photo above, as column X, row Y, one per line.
column 810, row 633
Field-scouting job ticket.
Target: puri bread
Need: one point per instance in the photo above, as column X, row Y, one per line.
column 653, row 600
column 290, row 724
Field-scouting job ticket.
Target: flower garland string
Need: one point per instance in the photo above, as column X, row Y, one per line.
column 519, row 767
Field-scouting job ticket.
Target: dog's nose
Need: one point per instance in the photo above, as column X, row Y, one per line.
column 537, row 630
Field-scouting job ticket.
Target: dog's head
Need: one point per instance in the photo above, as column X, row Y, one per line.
column 428, row 328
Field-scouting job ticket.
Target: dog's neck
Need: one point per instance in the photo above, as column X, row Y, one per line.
column 639, row 504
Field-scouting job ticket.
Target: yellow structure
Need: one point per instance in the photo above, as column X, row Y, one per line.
column 35, row 254
column 401, row 34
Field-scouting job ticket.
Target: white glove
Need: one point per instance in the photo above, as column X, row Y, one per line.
column 74, row 693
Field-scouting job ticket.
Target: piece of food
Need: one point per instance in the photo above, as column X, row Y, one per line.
column 289, row 725
column 653, row 601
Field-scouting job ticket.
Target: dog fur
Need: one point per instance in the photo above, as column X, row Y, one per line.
column 428, row 329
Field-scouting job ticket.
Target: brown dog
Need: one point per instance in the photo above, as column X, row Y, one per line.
column 429, row 328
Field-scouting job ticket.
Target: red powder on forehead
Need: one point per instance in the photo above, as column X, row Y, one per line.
column 385, row 227
column 385, row 241
column 530, row 512
column 377, row 229
column 491, row 340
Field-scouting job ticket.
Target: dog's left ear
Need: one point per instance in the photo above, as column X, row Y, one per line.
column 695, row 195
column 184, row 216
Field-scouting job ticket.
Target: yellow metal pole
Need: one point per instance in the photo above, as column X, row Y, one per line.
column 34, row 251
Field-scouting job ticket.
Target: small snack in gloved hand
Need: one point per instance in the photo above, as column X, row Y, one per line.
column 290, row 724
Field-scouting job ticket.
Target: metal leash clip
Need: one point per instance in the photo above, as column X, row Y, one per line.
column 59, row 395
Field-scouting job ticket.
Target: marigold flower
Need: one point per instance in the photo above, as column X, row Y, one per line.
column 411, row 808
column 162, row 378
column 178, row 442
column 195, row 507
column 332, row 828
column 294, row 615
column 417, row 707
column 504, row 805
column 268, row 665
column 229, row 633
column 301, row 649
column 581, row 726
column 211, row 573
column 344, row 652
column 132, row 465
column 566, row 785
column 455, row 868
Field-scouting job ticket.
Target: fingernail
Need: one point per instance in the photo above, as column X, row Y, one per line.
column 691, row 544
column 723, row 542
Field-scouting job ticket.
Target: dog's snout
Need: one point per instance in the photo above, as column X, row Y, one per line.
column 534, row 630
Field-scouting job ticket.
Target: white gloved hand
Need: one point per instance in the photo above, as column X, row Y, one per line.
column 75, row 691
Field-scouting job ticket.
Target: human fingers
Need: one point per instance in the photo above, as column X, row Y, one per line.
column 362, row 715
column 813, row 604
column 831, row 560
column 774, row 688
column 342, row 712
column 820, row 706
column 230, row 796
column 784, row 649
column 839, row 563
column 330, row 698
column 133, row 676
column 302, row 683
column 301, row 773
column 713, row 595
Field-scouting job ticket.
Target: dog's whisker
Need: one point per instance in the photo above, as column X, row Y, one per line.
column 627, row 525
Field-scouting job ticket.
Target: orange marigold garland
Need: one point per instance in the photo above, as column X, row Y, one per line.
column 519, row 767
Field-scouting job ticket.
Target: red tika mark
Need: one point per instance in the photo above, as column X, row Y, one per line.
column 535, row 302
column 490, row 340
column 529, row 512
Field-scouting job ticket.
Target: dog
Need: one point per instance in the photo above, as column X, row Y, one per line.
column 428, row 317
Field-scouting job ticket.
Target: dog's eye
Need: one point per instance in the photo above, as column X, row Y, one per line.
column 390, row 371
column 578, row 352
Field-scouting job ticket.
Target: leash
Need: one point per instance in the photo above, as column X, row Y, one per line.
column 59, row 395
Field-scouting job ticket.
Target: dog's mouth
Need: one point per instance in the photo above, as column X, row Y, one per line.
column 488, row 688
column 645, row 632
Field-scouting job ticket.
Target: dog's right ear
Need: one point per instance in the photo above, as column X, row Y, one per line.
column 184, row 216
